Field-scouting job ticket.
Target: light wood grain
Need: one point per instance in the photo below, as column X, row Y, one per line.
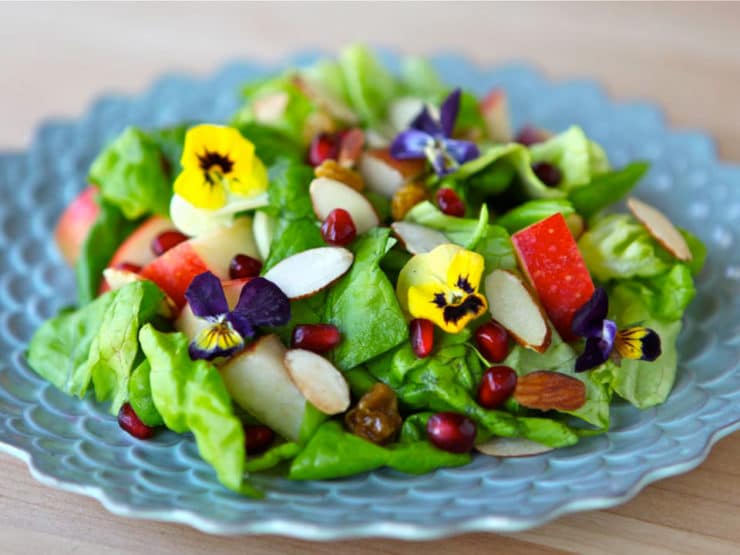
column 54, row 59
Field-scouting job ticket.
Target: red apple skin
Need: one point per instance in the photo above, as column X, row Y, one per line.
column 75, row 223
column 550, row 258
column 174, row 270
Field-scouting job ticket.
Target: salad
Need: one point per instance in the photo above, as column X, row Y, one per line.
column 365, row 269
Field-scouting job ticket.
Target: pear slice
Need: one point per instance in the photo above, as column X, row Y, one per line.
column 418, row 239
column 514, row 307
column 318, row 381
column 512, row 447
column 310, row 271
column 259, row 383
column 660, row 228
column 328, row 194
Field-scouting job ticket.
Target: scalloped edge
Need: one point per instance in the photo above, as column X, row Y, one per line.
column 382, row 528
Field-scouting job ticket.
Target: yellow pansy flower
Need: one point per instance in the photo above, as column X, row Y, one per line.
column 442, row 286
column 218, row 163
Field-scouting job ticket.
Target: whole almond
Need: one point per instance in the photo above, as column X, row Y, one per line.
column 546, row 390
column 333, row 170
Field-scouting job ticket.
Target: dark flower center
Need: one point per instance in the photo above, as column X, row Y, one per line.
column 214, row 162
column 473, row 304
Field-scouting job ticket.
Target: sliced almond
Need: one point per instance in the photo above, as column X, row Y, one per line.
column 350, row 148
column 495, row 110
column 416, row 238
column 545, row 390
column 263, row 230
column 512, row 447
column 512, row 305
column 270, row 107
column 384, row 175
column 318, row 381
column 660, row 228
column 310, row 271
column 328, row 194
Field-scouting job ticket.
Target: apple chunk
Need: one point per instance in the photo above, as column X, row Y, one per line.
column 318, row 381
column 550, row 259
column 328, row 194
column 75, row 223
column 310, row 271
column 137, row 248
column 212, row 252
column 418, row 239
column 512, row 305
column 660, row 228
column 258, row 382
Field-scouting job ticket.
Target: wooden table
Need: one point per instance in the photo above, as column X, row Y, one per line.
column 55, row 59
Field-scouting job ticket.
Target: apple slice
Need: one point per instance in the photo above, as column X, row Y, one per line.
column 384, row 175
column 512, row 447
column 318, row 381
column 75, row 223
column 328, row 194
column 660, row 228
column 263, row 229
column 495, row 110
column 259, row 383
column 418, row 239
column 310, row 271
column 512, row 305
column 550, row 259
column 189, row 324
column 137, row 248
column 176, row 268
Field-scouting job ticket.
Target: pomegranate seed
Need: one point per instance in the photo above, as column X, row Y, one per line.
column 450, row 203
column 258, row 438
column 324, row 146
column 451, row 432
column 421, row 333
column 548, row 173
column 497, row 385
column 244, row 266
column 128, row 267
column 167, row 240
column 318, row 338
column 338, row 228
column 130, row 422
column 492, row 341
column 529, row 136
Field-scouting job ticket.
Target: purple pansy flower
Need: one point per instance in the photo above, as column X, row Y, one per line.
column 604, row 341
column 432, row 139
column 261, row 303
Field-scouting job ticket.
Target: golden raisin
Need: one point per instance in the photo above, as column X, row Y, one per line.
column 406, row 197
column 375, row 418
column 333, row 170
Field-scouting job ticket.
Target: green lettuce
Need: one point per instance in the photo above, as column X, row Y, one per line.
column 107, row 233
column 560, row 357
column 191, row 396
column 140, row 395
column 271, row 145
column 334, row 453
column 363, row 304
column 370, row 86
column 132, row 176
column 606, row 189
column 532, row 212
column 97, row 343
column 419, row 79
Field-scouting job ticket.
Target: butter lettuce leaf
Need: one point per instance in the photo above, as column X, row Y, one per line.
column 606, row 189
column 532, row 212
column 191, row 396
column 369, row 85
column 363, row 304
column 140, row 395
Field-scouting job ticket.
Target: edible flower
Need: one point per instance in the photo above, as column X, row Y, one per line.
column 604, row 341
column 218, row 163
column 432, row 139
column 442, row 286
column 261, row 303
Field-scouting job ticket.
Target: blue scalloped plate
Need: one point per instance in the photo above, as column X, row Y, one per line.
column 76, row 446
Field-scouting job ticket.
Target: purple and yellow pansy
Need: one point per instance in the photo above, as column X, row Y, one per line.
column 261, row 303
column 605, row 341
column 442, row 286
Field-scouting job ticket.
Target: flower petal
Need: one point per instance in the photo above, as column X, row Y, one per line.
column 448, row 112
column 461, row 151
column 263, row 303
column 225, row 141
column 409, row 145
column 216, row 340
column 249, row 183
column 592, row 356
column 588, row 320
column 205, row 295
column 426, row 123
column 465, row 270
column 200, row 189
column 241, row 323
column 638, row 343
